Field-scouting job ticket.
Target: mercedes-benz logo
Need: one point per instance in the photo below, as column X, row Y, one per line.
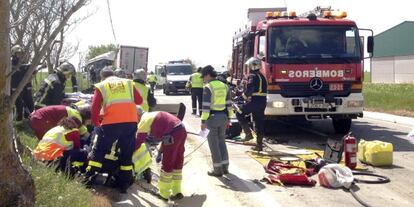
column 316, row 84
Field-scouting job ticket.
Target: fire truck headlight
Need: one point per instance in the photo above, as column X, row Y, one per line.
column 170, row 82
column 278, row 104
column 355, row 103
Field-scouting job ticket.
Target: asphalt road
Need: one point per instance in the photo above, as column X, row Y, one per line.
column 242, row 187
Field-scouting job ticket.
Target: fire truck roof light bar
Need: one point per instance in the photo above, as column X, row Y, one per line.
column 278, row 14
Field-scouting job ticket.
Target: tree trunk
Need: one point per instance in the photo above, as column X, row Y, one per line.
column 16, row 185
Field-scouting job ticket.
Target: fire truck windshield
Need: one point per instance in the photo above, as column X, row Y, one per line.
column 316, row 44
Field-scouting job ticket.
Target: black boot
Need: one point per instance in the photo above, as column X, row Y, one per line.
column 259, row 143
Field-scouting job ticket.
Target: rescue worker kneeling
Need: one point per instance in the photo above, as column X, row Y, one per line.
column 141, row 160
column 61, row 144
column 118, row 99
column 166, row 128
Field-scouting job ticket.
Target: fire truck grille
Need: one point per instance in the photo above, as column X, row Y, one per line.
column 304, row 90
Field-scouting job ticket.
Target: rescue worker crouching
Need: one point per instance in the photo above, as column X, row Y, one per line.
column 148, row 99
column 164, row 127
column 118, row 99
column 52, row 89
column 48, row 117
column 62, row 144
column 256, row 97
column 195, row 83
column 216, row 112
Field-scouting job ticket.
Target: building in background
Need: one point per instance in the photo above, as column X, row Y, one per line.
column 393, row 60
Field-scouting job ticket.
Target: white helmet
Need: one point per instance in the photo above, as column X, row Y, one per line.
column 66, row 68
column 140, row 74
column 253, row 63
column 16, row 49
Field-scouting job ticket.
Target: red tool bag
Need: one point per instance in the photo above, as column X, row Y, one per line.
column 286, row 174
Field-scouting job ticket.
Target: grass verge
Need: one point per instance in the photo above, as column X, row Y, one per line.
column 53, row 189
column 390, row 98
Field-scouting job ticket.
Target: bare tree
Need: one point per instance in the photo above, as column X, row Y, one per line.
column 28, row 27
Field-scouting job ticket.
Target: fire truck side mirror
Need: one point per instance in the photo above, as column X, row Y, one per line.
column 370, row 44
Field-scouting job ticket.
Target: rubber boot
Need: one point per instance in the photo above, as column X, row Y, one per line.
column 176, row 185
column 259, row 143
column 164, row 185
column 247, row 132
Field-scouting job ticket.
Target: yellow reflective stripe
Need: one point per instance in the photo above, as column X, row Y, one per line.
column 177, row 177
column 259, row 94
column 126, row 167
column 95, row 164
column 116, row 90
column 56, row 135
column 144, row 125
column 205, row 115
column 77, row 164
column 111, row 157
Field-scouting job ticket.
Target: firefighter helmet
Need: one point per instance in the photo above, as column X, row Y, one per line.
column 253, row 63
column 140, row 74
column 66, row 68
column 16, row 49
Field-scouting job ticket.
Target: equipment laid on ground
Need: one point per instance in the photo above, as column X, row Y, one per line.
column 350, row 150
column 333, row 151
column 287, row 174
column 376, row 153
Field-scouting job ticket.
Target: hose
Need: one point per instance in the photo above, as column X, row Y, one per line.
column 381, row 179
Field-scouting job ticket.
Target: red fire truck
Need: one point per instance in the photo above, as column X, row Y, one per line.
column 313, row 64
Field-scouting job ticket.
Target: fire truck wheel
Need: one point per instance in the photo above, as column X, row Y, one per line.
column 341, row 125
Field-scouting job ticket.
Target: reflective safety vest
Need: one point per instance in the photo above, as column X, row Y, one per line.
column 143, row 91
column 53, row 144
column 218, row 97
column 196, row 80
column 152, row 78
column 118, row 100
column 146, row 121
column 75, row 114
column 141, row 159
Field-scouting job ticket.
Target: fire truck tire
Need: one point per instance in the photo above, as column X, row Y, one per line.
column 342, row 125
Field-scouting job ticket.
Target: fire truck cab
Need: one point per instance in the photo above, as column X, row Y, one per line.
column 313, row 64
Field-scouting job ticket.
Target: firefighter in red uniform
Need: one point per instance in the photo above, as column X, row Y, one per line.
column 166, row 128
column 48, row 117
column 118, row 98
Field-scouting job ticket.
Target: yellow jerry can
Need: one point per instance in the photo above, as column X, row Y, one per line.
column 376, row 153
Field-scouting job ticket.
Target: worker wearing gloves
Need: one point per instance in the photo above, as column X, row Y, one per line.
column 62, row 144
column 19, row 70
column 196, row 84
column 217, row 110
column 152, row 80
column 166, row 128
column 42, row 120
column 255, row 94
column 148, row 100
column 118, row 98
column 52, row 90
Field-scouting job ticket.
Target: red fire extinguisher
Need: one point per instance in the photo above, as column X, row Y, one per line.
column 350, row 149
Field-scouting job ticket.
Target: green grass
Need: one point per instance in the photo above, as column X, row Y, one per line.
column 81, row 78
column 52, row 189
column 392, row 98
column 367, row 77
